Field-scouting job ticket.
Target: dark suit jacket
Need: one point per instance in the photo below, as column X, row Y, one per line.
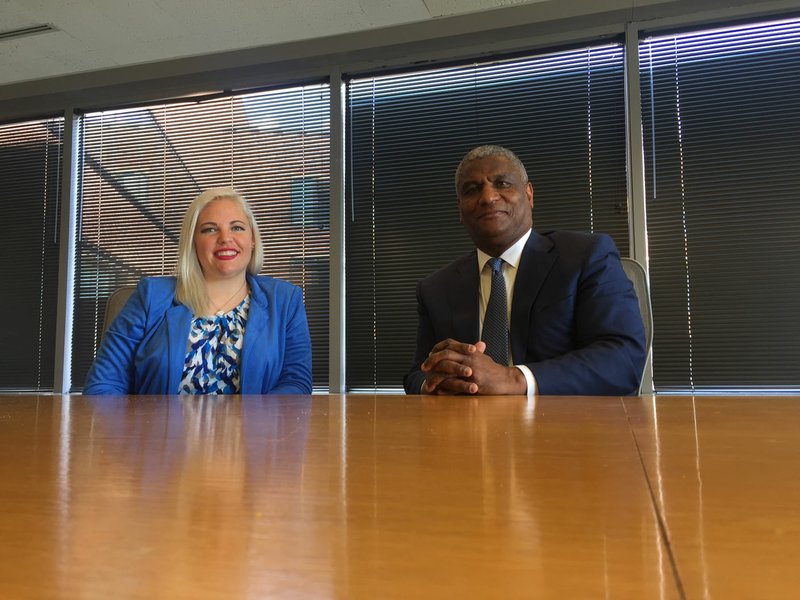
column 575, row 319
column 144, row 349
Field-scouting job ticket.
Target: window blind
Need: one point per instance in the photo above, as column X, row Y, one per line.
column 30, row 177
column 721, row 124
column 561, row 112
column 140, row 169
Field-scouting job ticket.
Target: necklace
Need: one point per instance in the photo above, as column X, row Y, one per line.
column 218, row 308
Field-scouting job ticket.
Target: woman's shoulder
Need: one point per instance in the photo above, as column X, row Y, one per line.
column 272, row 284
column 156, row 294
column 157, row 287
column 268, row 290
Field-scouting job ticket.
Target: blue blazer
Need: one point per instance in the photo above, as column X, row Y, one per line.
column 575, row 319
column 144, row 349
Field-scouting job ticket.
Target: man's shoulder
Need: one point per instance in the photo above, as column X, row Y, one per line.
column 452, row 269
column 579, row 242
column 567, row 236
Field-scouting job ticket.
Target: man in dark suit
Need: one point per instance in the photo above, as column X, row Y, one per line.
column 575, row 325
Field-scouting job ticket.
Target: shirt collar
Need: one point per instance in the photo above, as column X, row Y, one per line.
column 512, row 255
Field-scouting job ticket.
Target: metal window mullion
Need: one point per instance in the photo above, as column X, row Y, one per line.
column 66, row 261
column 336, row 340
column 637, row 207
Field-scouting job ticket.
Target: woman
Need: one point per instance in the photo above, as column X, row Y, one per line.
column 216, row 328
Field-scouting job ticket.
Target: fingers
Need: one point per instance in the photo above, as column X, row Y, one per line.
column 448, row 385
column 447, row 364
column 455, row 346
column 449, row 368
column 445, row 356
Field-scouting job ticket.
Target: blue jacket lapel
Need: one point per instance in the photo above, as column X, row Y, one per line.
column 462, row 298
column 254, row 358
column 179, row 322
column 538, row 258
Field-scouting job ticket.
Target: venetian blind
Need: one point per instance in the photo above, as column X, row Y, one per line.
column 30, row 177
column 721, row 112
column 562, row 112
column 140, row 169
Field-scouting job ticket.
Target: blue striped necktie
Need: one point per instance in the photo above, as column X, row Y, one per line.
column 495, row 321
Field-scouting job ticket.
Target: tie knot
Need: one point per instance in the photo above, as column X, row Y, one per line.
column 496, row 264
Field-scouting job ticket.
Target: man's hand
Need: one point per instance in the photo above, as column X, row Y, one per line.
column 453, row 367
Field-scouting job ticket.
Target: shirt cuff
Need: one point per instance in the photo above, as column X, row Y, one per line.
column 529, row 379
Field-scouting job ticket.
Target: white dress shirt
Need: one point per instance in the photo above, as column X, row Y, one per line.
column 511, row 259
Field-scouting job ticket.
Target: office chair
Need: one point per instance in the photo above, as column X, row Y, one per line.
column 115, row 303
column 638, row 276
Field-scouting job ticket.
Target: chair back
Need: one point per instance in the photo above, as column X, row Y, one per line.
column 638, row 276
column 115, row 303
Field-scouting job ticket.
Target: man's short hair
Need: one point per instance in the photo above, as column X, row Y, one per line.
column 487, row 151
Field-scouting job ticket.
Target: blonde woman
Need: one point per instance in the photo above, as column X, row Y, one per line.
column 215, row 328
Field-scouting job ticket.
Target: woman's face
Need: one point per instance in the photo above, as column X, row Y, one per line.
column 223, row 240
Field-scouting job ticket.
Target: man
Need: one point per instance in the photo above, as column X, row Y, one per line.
column 575, row 325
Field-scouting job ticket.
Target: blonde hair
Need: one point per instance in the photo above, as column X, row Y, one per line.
column 190, row 289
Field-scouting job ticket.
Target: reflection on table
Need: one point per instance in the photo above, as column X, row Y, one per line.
column 724, row 471
column 367, row 496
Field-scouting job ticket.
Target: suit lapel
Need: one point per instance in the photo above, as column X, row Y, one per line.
column 537, row 259
column 254, row 360
column 462, row 298
column 179, row 322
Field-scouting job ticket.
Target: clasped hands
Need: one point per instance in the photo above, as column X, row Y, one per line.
column 454, row 367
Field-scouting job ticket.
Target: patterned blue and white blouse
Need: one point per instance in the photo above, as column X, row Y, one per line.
column 214, row 355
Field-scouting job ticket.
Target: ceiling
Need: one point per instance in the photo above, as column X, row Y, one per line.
column 101, row 52
column 100, row 34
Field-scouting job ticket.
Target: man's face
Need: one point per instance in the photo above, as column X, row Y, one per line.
column 495, row 203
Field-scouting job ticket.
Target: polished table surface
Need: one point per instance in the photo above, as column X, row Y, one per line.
column 364, row 496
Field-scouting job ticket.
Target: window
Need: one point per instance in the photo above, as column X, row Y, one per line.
column 562, row 112
column 30, row 177
column 309, row 194
column 721, row 119
column 140, row 169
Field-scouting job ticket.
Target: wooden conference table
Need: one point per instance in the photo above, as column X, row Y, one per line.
column 365, row 496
